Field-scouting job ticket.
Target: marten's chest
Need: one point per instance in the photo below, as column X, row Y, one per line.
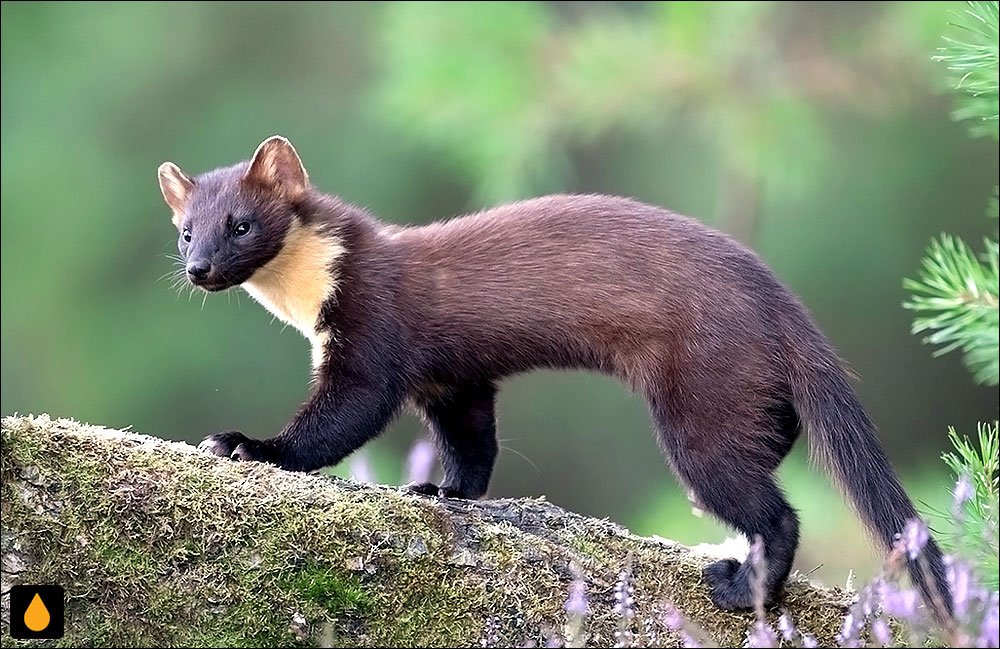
column 294, row 285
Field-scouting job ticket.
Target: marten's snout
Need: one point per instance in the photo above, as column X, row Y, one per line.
column 198, row 270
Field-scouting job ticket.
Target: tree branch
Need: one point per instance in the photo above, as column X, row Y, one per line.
column 157, row 544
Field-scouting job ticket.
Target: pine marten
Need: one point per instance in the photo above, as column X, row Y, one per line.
column 729, row 360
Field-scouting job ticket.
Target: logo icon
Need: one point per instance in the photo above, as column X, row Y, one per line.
column 36, row 612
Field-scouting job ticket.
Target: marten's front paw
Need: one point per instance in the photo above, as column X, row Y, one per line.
column 236, row 446
column 431, row 489
column 423, row 488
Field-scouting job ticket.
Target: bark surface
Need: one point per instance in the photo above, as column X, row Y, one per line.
column 158, row 544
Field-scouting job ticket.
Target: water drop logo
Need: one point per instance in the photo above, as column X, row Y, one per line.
column 37, row 616
column 36, row 612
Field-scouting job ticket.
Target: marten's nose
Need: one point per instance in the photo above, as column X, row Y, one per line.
column 198, row 269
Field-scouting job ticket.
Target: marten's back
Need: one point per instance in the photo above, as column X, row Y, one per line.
column 592, row 281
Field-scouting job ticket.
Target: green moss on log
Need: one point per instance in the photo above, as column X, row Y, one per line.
column 158, row 544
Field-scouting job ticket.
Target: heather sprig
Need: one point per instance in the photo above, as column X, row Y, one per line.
column 758, row 572
column 881, row 632
column 624, row 606
column 577, row 610
column 761, row 635
column 420, row 462
column 870, row 600
column 786, row 626
column 577, row 603
column 869, row 622
column 975, row 607
column 964, row 491
column 361, row 468
column 902, row 603
column 691, row 635
column 915, row 536
column 989, row 629
column 491, row 633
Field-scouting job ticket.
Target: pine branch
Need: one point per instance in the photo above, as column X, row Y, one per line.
column 974, row 512
column 972, row 56
column 956, row 299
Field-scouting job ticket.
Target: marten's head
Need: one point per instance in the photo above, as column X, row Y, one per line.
column 234, row 220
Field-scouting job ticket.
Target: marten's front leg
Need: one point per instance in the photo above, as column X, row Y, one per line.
column 345, row 410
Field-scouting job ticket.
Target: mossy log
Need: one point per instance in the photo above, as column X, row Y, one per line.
column 158, row 544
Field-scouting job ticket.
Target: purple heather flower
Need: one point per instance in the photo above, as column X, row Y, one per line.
column 361, row 470
column 809, row 642
column 649, row 630
column 761, row 635
column 869, row 596
column 899, row 603
column 786, row 627
column 882, row 633
column 962, row 585
column 964, row 491
column 624, row 596
column 673, row 618
column 849, row 632
column 758, row 570
column 624, row 608
column 915, row 537
column 577, row 603
column 989, row 632
column 420, row 462
column 491, row 634
column 755, row 556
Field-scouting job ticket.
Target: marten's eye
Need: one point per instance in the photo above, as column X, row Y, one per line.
column 186, row 235
column 242, row 229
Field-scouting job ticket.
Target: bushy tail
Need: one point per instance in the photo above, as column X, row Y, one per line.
column 844, row 437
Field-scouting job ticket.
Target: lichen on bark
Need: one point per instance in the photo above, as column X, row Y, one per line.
column 157, row 544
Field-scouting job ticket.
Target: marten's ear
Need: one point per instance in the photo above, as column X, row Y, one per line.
column 277, row 166
column 176, row 187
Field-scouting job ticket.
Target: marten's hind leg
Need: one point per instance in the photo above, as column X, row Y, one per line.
column 463, row 422
column 729, row 468
column 759, row 511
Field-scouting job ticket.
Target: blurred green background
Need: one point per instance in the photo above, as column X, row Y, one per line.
column 819, row 133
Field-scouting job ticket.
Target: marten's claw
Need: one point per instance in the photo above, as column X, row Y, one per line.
column 236, row 446
column 223, row 444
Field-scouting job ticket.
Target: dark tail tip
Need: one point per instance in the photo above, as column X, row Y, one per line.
column 929, row 574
